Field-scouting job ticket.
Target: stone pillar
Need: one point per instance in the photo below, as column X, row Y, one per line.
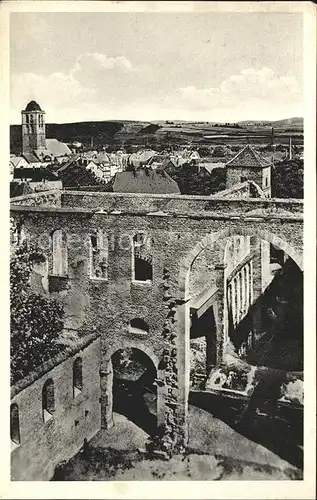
column 265, row 264
column 247, row 286
column 160, row 394
column 228, row 307
column 174, row 369
column 238, row 298
column 250, row 283
column 242, row 292
column 244, row 289
column 183, row 371
column 256, row 267
column 106, row 400
column 219, row 312
column 233, row 301
column 256, row 286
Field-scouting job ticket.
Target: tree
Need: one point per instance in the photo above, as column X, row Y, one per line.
column 78, row 175
column 204, row 151
column 192, row 179
column 36, row 320
column 221, row 152
column 288, row 179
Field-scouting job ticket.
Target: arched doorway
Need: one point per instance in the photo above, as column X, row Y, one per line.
column 129, row 386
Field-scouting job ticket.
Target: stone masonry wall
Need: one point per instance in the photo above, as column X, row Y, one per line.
column 110, row 304
column 178, row 204
column 234, row 175
column 44, row 445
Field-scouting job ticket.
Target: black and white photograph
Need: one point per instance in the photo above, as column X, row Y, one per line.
column 156, row 178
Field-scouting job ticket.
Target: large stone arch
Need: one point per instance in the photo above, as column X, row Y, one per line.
column 212, row 238
column 106, row 379
column 134, row 344
column 183, row 303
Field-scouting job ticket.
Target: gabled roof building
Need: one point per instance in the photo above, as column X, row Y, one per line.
column 249, row 165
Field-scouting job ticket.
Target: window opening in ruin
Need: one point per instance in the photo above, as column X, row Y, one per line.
column 138, row 326
column 59, row 244
column 276, row 255
column 98, row 255
column 142, row 258
column 77, row 376
column 14, row 424
column 48, row 400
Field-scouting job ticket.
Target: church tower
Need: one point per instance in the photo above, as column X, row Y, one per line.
column 33, row 129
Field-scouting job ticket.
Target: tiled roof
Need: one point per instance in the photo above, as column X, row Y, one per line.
column 34, row 174
column 145, row 181
column 15, row 160
column 19, row 189
column 72, row 162
column 141, row 156
column 209, row 166
column 33, row 106
column 57, row 148
column 101, row 157
column 248, row 157
column 31, row 158
column 158, row 159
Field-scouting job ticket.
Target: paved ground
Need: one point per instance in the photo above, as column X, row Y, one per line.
column 217, row 452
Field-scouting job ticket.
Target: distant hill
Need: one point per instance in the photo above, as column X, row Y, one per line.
column 158, row 135
column 296, row 122
column 101, row 132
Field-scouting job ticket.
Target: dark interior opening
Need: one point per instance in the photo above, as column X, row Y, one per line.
column 134, row 391
column 142, row 270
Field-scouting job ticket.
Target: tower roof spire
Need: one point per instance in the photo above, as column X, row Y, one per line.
column 33, row 106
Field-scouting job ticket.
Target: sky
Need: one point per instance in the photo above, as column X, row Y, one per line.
column 207, row 66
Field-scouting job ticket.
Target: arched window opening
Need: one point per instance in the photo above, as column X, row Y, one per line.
column 59, row 244
column 99, row 255
column 48, row 400
column 14, row 424
column 77, row 376
column 138, row 326
column 142, row 258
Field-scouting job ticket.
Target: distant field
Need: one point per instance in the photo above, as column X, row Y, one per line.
column 120, row 133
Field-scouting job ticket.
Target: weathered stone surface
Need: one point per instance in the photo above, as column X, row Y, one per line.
column 193, row 226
